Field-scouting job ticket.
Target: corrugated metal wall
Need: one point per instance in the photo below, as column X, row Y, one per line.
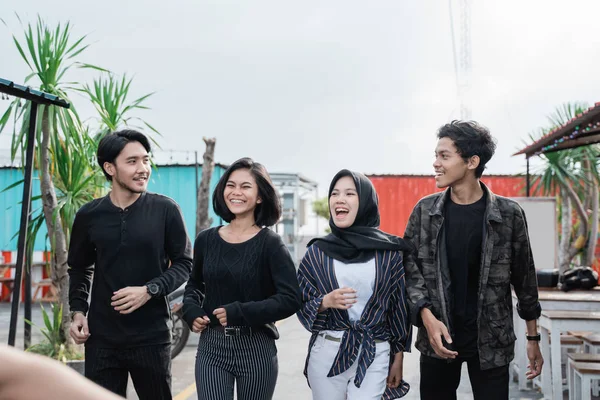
column 398, row 194
column 10, row 208
column 176, row 182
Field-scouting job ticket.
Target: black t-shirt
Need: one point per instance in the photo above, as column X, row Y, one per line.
column 464, row 235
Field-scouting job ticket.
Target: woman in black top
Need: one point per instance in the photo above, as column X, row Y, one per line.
column 242, row 281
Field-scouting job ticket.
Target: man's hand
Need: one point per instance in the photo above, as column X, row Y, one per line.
column 535, row 359
column 395, row 376
column 200, row 324
column 221, row 315
column 342, row 299
column 129, row 299
column 436, row 330
column 79, row 330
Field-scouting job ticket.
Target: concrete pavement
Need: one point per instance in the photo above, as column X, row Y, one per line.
column 291, row 384
column 292, row 349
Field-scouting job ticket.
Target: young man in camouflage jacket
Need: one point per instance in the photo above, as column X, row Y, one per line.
column 470, row 247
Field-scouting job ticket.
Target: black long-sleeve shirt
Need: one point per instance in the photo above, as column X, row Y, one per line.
column 255, row 281
column 127, row 247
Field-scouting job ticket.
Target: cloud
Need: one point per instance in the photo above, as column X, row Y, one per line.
column 313, row 87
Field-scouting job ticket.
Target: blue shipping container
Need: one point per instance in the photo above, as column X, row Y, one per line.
column 175, row 181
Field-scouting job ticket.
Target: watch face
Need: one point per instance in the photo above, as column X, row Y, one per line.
column 153, row 288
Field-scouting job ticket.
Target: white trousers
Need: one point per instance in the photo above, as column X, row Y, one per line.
column 342, row 387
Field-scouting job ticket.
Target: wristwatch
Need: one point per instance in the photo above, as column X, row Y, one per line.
column 534, row 338
column 152, row 289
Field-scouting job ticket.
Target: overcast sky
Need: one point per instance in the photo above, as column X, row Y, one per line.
column 316, row 86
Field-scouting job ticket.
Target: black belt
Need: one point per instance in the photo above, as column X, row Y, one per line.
column 339, row 339
column 234, row 330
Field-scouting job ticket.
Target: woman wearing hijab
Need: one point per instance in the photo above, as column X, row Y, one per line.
column 353, row 296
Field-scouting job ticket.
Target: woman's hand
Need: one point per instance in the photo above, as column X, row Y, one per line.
column 395, row 376
column 200, row 324
column 221, row 315
column 341, row 299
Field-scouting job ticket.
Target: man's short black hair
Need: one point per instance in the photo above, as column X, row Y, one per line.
column 113, row 144
column 470, row 139
column 268, row 211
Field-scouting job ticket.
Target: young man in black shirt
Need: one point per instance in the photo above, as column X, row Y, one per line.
column 135, row 246
column 471, row 247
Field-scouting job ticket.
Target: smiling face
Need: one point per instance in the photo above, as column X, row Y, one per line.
column 343, row 202
column 131, row 169
column 241, row 192
column 450, row 168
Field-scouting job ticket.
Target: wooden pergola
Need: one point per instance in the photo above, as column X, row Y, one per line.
column 581, row 130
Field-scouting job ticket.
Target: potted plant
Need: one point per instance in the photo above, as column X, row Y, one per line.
column 55, row 343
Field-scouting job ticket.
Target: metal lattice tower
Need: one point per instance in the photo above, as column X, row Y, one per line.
column 462, row 60
column 465, row 59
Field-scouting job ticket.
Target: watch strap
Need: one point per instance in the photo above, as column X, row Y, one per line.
column 153, row 289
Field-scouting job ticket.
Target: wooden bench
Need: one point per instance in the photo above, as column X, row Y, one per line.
column 591, row 343
column 578, row 358
column 570, row 342
column 578, row 334
column 584, row 374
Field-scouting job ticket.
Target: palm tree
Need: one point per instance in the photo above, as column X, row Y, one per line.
column 572, row 175
column 66, row 148
column 109, row 94
column 61, row 145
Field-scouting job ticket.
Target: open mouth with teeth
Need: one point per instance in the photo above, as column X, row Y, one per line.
column 236, row 201
column 341, row 212
column 140, row 179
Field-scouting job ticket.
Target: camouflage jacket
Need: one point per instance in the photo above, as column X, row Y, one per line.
column 506, row 260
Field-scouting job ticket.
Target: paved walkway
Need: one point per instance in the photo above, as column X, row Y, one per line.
column 292, row 348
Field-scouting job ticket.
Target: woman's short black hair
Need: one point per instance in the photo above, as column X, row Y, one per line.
column 112, row 145
column 470, row 139
column 268, row 211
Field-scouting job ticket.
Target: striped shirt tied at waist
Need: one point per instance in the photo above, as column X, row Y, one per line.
column 357, row 336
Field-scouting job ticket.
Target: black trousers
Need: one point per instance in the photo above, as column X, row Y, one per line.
column 247, row 362
column 440, row 379
column 149, row 367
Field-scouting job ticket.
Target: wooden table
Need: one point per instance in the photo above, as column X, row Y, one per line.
column 550, row 299
column 9, row 283
column 552, row 323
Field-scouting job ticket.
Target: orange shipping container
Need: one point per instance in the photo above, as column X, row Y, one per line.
column 398, row 194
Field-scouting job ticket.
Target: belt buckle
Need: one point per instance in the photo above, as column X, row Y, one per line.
column 232, row 331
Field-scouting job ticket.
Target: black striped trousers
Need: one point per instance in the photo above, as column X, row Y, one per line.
column 248, row 362
column 149, row 367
